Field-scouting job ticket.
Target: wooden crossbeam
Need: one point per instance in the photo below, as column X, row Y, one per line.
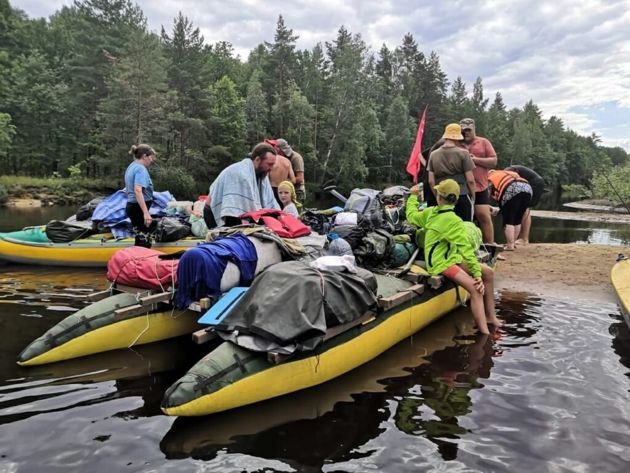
column 402, row 297
column 204, row 335
column 337, row 329
column 97, row 296
column 132, row 311
column 435, row 282
column 153, row 298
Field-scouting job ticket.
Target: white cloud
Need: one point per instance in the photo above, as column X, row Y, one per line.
column 561, row 55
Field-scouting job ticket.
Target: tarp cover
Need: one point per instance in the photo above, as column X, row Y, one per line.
column 290, row 305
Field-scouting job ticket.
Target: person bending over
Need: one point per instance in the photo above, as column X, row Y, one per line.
column 513, row 193
column 448, row 251
column 538, row 188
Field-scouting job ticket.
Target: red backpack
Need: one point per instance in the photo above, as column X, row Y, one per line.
column 279, row 222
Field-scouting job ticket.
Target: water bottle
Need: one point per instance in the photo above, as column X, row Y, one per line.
column 338, row 246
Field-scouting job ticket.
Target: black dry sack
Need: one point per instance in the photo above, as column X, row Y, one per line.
column 171, row 229
column 59, row 231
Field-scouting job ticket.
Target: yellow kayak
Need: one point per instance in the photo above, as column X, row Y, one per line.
column 620, row 278
column 88, row 252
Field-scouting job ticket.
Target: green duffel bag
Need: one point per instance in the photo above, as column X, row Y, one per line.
column 401, row 254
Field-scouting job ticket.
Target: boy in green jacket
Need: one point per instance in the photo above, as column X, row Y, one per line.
column 448, row 251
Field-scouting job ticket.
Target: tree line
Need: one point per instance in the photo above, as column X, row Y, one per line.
column 77, row 89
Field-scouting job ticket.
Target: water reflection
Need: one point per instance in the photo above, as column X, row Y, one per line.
column 14, row 218
column 549, row 393
column 345, row 412
column 548, row 230
column 443, row 392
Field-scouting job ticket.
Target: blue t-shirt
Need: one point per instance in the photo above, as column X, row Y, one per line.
column 137, row 175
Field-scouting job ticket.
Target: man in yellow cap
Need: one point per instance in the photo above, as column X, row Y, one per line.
column 451, row 161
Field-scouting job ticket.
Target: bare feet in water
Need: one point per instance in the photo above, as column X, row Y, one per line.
column 494, row 321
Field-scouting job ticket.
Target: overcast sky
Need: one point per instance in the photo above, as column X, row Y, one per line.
column 571, row 58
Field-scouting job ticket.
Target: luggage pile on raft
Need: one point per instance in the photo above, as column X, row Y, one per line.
column 282, row 303
column 99, row 229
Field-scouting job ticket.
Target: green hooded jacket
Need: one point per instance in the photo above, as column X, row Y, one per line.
column 445, row 238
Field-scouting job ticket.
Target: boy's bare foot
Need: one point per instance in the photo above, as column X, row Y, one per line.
column 495, row 321
column 509, row 248
column 521, row 242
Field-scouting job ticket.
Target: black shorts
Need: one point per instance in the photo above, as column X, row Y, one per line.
column 208, row 217
column 464, row 208
column 514, row 209
column 538, row 188
column 482, row 197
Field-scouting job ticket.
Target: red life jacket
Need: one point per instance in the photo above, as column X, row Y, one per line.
column 279, row 222
column 500, row 180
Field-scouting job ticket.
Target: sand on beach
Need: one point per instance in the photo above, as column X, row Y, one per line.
column 578, row 271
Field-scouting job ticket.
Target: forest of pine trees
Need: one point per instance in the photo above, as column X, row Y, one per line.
column 77, row 89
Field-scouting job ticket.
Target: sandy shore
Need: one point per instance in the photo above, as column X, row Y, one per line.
column 560, row 270
column 584, row 216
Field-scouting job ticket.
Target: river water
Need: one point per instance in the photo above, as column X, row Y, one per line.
column 551, row 392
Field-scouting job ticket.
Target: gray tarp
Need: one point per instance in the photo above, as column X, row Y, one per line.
column 289, row 306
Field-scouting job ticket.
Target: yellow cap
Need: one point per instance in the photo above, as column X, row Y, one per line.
column 447, row 187
column 453, row 132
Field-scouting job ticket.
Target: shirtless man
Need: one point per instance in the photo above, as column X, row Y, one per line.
column 281, row 171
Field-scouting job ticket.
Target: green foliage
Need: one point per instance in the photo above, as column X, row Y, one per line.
column 75, row 171
column 227, row 116
column 7, row 132
column 175, row 179
column 576, row 192
column 613, row 185
column 58, row 183
column 4, row 195
column 84, row 85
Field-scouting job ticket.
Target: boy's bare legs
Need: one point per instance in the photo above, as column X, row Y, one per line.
column 487, row 276
column 466, row 281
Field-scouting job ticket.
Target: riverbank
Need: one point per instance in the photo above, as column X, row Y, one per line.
column 29, row 192
column 560, row 270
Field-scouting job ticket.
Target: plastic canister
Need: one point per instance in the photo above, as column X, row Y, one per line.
column 338, row 246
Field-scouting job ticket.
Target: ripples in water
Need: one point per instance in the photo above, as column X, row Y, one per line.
column 548, row 393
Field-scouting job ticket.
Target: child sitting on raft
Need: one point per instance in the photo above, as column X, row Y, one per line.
column 448, row 251
column 288, row 198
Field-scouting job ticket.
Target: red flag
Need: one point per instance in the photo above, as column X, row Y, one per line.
column 414, row 164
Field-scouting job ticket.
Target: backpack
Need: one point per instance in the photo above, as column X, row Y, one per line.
column 85, row 211
column 142, row 267
column 279, row 222
column 353, row 234
column 376, row 247
column 319, row 223
column 363, row 201
column 171, row 229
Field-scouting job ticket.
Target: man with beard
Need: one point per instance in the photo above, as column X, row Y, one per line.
column 244, row 187
column 485, row 158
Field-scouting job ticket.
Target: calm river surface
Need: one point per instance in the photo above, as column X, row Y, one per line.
column 550, row 393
